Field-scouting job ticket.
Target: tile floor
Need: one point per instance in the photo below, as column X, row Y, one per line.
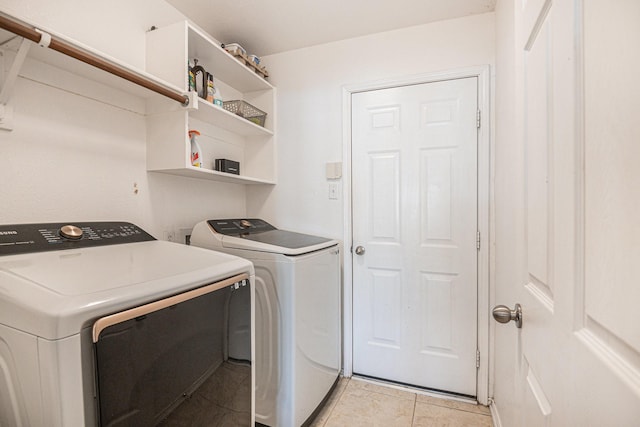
column 355, row 402
column 207, row 406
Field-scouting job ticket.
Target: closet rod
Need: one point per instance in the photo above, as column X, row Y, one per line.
column 88, row 58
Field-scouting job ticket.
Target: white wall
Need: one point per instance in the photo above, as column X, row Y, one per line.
column 75, row 156
column 78, row 148
column 309, row 122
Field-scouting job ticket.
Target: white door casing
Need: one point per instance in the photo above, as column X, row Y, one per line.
column 578, row 352
column 484, row 176
column 414, row 181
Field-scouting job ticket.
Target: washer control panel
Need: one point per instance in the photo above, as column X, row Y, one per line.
column 28, row 238
column 240, row 226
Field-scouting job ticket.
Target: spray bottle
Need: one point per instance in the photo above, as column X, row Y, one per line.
column 196, row 153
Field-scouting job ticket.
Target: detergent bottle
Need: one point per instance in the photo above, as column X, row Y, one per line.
column 196, row 153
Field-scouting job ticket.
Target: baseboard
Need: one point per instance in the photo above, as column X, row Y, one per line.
column 495, row 416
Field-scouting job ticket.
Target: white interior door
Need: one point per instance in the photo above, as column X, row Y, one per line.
column 415, row 204
column 578, row 352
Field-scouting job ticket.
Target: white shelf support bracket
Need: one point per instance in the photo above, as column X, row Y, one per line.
column 6, row 117
column 12, row 75
column 6, row 112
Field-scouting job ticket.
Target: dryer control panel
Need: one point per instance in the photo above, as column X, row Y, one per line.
column 27, row 238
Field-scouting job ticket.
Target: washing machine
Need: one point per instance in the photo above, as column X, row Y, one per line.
column 101, row 324
column 298, row 339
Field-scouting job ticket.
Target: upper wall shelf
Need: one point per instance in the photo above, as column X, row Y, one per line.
column 182, row 40
column 233, row 72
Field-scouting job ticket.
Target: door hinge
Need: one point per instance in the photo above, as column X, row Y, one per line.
column 478, row 240
column 477, row 358
column 478, row 119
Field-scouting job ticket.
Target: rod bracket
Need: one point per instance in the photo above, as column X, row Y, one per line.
column 45, row 38
column 192, row 101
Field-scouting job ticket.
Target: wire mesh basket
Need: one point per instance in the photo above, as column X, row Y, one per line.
column 246, row 111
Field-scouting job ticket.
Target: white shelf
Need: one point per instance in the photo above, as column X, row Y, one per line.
column 202, row 173
column 224, row 134
column 227, row 68
column 207, row 112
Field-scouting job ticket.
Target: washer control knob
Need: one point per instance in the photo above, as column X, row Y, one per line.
column 71, row 232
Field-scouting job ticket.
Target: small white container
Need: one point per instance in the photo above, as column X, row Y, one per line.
column 255, row 59
column 234, row 48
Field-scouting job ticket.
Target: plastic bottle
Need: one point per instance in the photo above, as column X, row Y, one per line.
column 192, row 78
column 210, row 88
column 196, row 153
column 217, row 96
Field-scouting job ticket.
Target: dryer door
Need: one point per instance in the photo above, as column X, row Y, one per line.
column 152, row 359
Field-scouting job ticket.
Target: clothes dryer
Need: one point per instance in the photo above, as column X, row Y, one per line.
column 298, row 339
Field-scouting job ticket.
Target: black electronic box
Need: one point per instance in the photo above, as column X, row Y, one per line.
column 229, row 166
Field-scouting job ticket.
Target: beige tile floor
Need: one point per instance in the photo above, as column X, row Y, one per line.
column 356, row 402
column 223, row 400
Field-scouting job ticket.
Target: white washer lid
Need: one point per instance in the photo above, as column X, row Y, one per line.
column 278, row 241
column 55, row 294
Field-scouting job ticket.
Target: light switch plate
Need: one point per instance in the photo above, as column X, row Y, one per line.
column 333, row 191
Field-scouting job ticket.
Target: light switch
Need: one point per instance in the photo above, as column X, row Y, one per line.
column 333, row 191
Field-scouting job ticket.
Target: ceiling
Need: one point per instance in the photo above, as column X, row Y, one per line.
column 265, row 27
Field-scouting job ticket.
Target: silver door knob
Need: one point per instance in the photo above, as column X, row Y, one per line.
column 360, row 250
column 504, row 314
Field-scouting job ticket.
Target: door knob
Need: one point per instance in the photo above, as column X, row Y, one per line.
column 360, row 250
column 504, row 314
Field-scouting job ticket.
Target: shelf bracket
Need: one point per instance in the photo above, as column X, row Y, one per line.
column 6, row 112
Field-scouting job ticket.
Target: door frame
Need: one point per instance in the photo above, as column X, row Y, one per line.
column 485, row 209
